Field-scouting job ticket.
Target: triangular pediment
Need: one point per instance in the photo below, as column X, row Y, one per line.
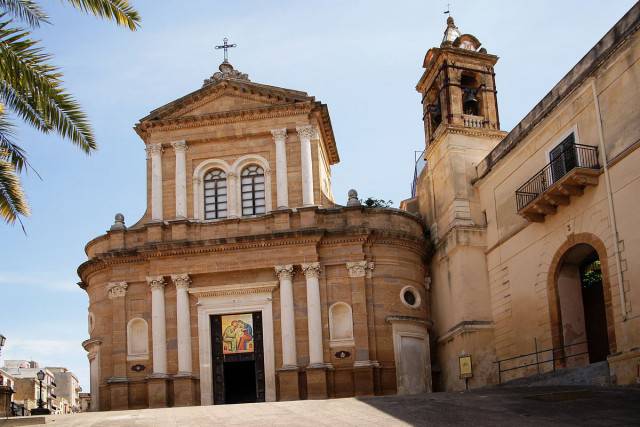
column 227, row 96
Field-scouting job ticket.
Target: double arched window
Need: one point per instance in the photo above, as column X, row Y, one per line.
column 215, row 194
column 252, row 190
column 222, row 190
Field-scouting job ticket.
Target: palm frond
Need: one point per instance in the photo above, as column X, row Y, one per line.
column 32, row 88
column 27, row 11
column 119, row 11
column 13, row 202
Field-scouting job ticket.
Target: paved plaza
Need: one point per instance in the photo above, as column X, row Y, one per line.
column 539, row 406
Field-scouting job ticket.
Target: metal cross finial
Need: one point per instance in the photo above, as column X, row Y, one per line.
column 448, row 11
column 226, row 46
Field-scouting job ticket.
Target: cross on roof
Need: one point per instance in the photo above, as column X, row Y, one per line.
column 448, row 11
column 226, row 47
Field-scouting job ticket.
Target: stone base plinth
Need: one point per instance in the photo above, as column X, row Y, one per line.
column 157, row 391
column 119, row 393
column 316, row 382
column 363, row 378
column 288, row 386
column 184, row 390
column 5, row 400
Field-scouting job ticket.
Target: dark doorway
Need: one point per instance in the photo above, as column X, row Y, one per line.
column 583, row 312
column 238, row 357
column 564, row 157
column 240, row 382
column 595, row 317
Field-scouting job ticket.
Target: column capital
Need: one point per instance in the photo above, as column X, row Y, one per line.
column 179, row 146
column 357, row 268
column 156, row 282
column 306, row 131
column 279, row 134
column 311, row 269
column 152, row 149
column 116, row 289
column 284, row 271
column 182, row 281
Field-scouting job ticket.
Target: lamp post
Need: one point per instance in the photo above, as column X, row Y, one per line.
column 3, row 339
column 40, row 410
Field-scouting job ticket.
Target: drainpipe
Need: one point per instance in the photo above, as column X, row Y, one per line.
column 612, row 213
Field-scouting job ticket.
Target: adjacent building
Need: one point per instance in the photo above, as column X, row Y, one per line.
column 67, row 388
column 536, row 246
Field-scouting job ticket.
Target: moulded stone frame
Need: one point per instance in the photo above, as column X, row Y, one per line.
column 237, row 167
column 198, row 185
column 340, row 342
column 415, row 292
column 130, row 354
column 555, row 314
column 407, row 327
column 232, row 299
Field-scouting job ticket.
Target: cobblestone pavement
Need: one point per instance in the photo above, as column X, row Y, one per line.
column 536, row 406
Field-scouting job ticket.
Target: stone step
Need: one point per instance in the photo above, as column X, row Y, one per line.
column 594, row 374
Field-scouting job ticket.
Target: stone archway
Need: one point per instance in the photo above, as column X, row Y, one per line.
column 565, row 283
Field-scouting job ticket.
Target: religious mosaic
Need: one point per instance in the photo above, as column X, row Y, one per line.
column 237, row 333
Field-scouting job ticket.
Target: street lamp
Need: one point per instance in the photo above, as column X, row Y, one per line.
column 3, row 339
column 40, row 410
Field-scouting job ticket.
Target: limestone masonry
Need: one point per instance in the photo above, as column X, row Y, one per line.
column 245, row 281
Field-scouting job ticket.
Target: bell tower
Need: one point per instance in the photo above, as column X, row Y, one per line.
column 458, row 85
column 461, row 126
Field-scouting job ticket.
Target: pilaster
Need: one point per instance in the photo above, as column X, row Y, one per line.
column 305, row 133
column 282, row 186
column 180, row 149
column 154, row 152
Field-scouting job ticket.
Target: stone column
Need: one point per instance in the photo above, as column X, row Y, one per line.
column 180, row 148
column 183, row 384
column 363, row 366
column 157, row 381
column 118, row 383
column 282, row 186
column 154, row 151
column 183, row 316
column 288, row 374
column 305, row 133
column 316, row 371
column 314, row 314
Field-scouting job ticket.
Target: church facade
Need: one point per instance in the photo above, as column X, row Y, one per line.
column 245, row 281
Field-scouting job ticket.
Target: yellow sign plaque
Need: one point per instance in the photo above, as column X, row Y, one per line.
column 466, row 368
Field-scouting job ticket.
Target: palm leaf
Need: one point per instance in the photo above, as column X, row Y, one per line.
column 25, row 10
column 13, row 202
column 32, row 88
column 119, row 11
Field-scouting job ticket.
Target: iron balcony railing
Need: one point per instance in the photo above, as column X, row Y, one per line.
column 573, row 156
column 419, row 165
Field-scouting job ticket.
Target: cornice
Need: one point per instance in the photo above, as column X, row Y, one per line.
column 235, row 289
column 225, row 117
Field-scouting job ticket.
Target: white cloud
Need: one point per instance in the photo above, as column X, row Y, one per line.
column 46, row 281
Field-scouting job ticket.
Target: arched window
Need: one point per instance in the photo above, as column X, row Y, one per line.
column 253, row 190
column 340, row 325
column 137, row 339
column 215, row 194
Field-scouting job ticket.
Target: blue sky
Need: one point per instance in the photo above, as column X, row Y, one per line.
column 362, row 58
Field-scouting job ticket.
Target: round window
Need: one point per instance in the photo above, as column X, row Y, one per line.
column 410, row 297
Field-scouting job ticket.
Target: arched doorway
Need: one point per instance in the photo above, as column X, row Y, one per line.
column 582, row 305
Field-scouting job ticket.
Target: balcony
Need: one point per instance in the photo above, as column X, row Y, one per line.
column 565, row 176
